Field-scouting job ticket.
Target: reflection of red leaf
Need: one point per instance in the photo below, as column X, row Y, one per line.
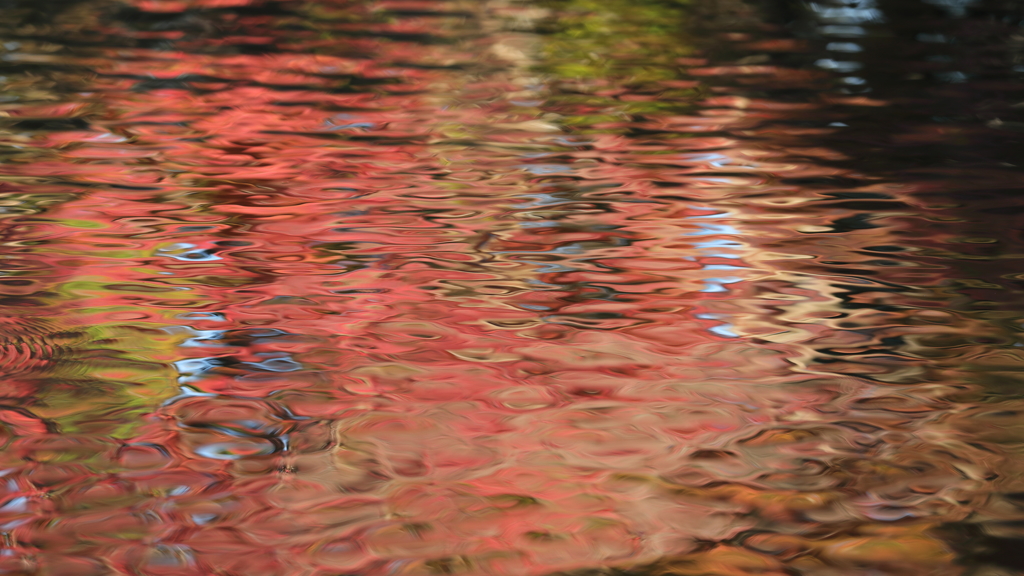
column 17, row 423
column 161, row 6
column 353, row 303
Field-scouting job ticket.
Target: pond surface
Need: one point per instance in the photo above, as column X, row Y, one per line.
column 332, row 287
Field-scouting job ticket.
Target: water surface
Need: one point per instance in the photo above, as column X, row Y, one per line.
column 382, row 287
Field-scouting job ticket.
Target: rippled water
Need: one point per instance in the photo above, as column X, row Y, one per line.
column 326, row 287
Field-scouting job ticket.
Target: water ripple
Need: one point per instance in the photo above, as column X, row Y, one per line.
column 296, row 287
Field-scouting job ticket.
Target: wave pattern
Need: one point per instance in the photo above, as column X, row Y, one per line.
column 410, row 287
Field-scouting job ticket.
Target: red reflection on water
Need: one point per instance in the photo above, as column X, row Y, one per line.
column 311, row 288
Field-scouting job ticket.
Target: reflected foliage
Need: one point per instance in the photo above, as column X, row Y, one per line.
column 296, row 287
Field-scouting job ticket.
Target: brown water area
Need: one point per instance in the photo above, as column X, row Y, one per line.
column 511, row 288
